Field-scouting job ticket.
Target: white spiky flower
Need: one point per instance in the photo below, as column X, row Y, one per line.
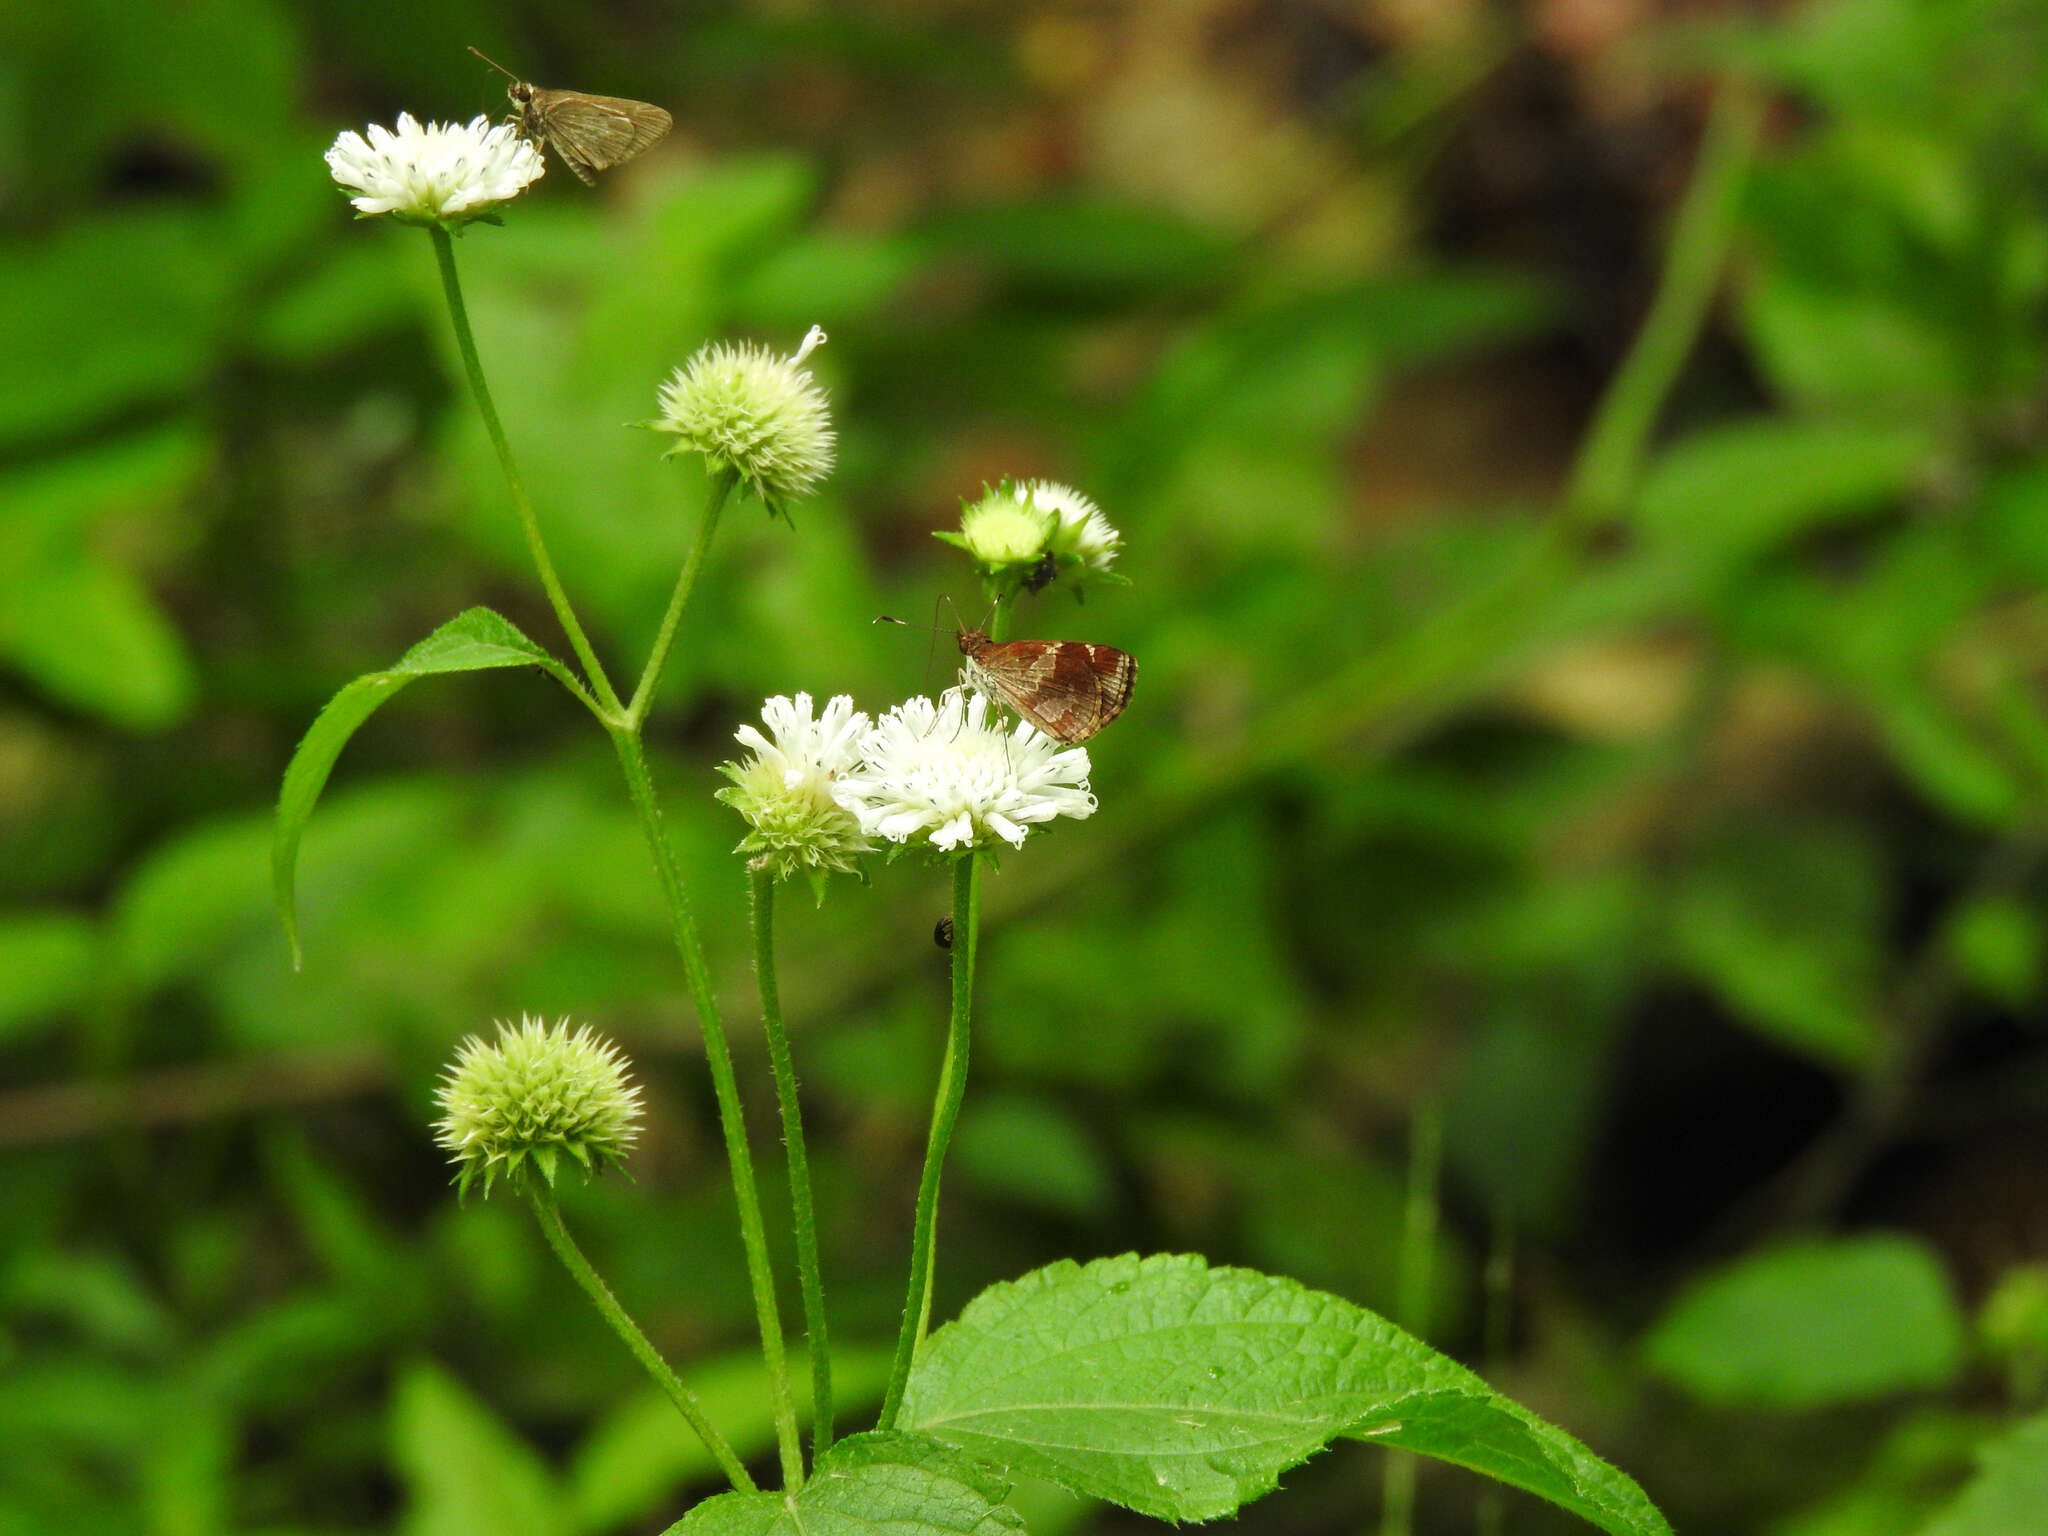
column 520, row 1104
column 758, row 415
column 434, row 173
column 1080, row 533
column 784, row 790
column 941, row 775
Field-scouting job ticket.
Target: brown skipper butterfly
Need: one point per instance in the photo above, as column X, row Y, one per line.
column 589, row 133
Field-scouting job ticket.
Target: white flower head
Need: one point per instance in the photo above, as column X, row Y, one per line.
column 784, row 790
column 758, row 415
column 439, row 173
column 1080, row 533
column 942, row 775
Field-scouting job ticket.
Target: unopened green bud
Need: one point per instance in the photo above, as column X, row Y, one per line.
column 532, row 1097
column 752, row 414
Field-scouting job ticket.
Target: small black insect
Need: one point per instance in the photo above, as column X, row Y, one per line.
column 942, row 933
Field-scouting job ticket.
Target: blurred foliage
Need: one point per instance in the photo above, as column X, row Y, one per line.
column 1693, row 862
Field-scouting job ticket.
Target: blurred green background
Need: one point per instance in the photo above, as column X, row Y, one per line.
column 1682, row 858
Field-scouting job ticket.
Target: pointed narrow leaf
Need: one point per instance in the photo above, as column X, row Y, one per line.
column 869, row 1485
column 1183, row 1391
column 472, row 641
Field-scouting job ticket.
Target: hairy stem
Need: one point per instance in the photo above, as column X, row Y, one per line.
column 549, row 1216
column 686, row 581
column 731, row 1119
column 458, row 314
column 917, row 1302
column 801, row 1208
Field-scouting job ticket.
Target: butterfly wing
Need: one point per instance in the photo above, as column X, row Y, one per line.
column 595, row 133
column 1069, row 689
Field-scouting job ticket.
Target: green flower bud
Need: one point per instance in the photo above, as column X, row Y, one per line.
column 756, row 415
column 530, row 1097
column 1030, row 535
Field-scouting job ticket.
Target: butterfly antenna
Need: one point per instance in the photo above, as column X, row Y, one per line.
column 501, row 69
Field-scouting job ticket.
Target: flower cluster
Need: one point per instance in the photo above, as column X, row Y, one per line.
column 436, row 173
column 943, row 775
column 759, row 416
column 785, row 789
column 531, row 1097
column 936, row 775
column 1035, row 533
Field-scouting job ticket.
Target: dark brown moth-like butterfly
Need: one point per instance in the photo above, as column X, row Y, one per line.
column 1069, row 689
column 589, row 133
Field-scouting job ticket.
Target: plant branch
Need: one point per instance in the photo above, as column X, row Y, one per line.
column 917, row 1302
column 686, row 581
column 458, row 313
column 549, row 1215
column 1610, row 459
column 801, row 1207
column 725, row 1083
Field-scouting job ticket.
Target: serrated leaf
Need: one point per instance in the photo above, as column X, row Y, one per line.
column 1183, row 1391
column 2009, row 1492
column 1813, row 1324
column 903, row 1485
column 473, row 641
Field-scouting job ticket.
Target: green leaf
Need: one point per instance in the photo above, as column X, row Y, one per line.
column 188, row 900
column 467, row 1471
column 91, row 635
column 472, row 641
column 902, row 1484
column 1783, row 921
column 50, row 960
column 1183, row 1391
column 2009, row 1492
column 1813, row 1324
column 1737, row 490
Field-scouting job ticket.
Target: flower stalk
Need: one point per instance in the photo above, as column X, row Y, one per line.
column 686, row 582
column 605, row 700
column 952, row 1089
column 802, row 1209
column 632, row 756
column 549, row 1215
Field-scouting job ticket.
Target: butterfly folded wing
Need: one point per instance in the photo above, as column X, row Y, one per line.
column 595, row 133
column 1069, row 689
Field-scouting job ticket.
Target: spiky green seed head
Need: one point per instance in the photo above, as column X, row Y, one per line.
column 752, row 414
column 535, row 1097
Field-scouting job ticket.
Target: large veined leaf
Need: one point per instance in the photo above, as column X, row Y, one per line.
column 473, row 641
column 1183, row 1391
column 869, row 1485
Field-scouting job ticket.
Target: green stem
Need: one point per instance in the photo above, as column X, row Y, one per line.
column 643, row 692
column 1499, row 1304
column 1610, row 459
column 549, row 1216
column 451, row 285
column 1411, row 1301
column 917, row 1302
column 799, row 1164
column 718, row 1055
